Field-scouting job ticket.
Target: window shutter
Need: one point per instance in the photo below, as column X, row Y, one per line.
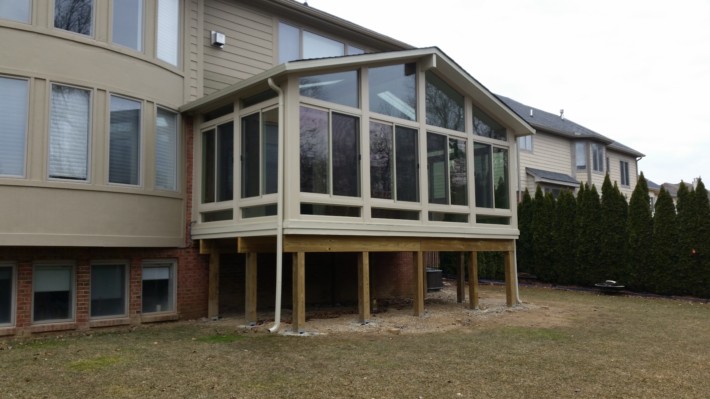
column 13, row 126
column 69, row 133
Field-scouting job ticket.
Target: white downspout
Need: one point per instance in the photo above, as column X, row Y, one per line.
column 279, row 210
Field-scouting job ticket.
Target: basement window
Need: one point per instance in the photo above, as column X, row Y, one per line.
column 158, row 286
column 53, row 293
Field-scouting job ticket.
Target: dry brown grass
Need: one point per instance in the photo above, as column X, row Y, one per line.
column 559, row 344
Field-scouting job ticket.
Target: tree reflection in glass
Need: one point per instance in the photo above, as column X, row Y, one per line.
column 73, row 15
column 314, row 150
column 444, row 105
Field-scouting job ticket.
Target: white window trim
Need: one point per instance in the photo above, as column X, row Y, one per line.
column 13, row 293
column 126, row 287
column 173, row 265
column 72, row 297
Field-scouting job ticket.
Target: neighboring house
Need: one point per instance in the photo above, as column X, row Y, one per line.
column 154, row 154
column 672, row 188
column 564, row 154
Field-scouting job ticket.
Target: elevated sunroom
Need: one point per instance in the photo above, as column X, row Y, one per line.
column 399, row 151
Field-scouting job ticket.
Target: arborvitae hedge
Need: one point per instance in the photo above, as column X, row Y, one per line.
column 586, row 241
column 588, row 227
column 612, row 239
column 699, row 278
column 524, row 248
column 664, row 269
column 563, row 238
column 640, row 230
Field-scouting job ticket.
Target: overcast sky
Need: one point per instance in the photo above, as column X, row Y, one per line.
column 636, row 71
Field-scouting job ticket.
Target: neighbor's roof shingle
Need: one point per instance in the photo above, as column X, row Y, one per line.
column 555, row 124
column 548, row 176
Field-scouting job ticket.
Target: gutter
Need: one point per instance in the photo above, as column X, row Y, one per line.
column 279, row 211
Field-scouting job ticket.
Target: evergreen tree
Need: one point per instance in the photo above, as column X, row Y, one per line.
column 524, row 249
column 699, row 279
column 640, row 230
column 563, row 239
column 543, row 213
column 612, row 241
column 686, row 240
column 587, row 226
column 665, row 248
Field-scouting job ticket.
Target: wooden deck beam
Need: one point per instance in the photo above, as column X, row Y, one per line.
column 508, row 264
column 250, row 284
column 363, row 287
column 213, row 285
column 461, row 279
column 473, row 280
column 266, row 244
column 419, row 287
column 299, row 292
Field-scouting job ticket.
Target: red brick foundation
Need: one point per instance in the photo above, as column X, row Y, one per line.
column 192, row 279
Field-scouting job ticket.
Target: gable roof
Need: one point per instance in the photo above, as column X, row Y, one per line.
column 432, row 57
column 555, row 124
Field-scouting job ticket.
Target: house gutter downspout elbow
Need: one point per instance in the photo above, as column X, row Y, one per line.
column 279, row 210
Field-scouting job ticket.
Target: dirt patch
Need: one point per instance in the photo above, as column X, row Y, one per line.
column 442, row 313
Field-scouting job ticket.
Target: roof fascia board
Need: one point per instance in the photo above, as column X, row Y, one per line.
column 230, row 90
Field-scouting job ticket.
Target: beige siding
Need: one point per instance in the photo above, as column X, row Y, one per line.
column 549, row 153
column 615, row 171
column 249, row 47
column 193, row 73
column 83, row 217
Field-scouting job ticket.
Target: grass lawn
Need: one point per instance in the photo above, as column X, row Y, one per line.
column 563, row 344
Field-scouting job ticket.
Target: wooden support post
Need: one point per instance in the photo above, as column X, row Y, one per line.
column 213, row 287
column 250, row 282
column 363, row 286
column 419, row 287
column 509, row 278
column 460, row 279
column 473, row 280
column 299, row 292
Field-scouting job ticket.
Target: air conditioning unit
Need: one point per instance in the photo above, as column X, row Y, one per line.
column 218, row 39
